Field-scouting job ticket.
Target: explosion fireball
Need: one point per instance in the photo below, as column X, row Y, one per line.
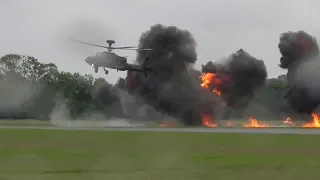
column 175, row 91
column 236, row 79
column 172, row 89
column 208, row 79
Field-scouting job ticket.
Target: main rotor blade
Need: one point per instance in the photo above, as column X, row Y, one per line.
column 138, row 49
column 124, row 47
column 90, row 44
column 131, row 48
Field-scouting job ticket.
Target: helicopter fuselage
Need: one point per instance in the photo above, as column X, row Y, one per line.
column 107, row 60
column 113, row 61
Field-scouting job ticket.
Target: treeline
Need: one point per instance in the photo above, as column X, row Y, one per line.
column 34, row 90
column 31, row 89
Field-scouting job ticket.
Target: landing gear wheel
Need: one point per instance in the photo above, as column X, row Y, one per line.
column 106, row 71
column 96, row 69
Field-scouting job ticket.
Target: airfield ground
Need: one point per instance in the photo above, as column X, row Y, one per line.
column 88, row 154
column 24, row 122
column 32, row 122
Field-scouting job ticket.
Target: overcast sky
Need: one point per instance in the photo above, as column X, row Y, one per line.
column 40, row 27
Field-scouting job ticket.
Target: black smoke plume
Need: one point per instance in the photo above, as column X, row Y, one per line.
column 300, row 55
column 296, row 46
column 172, row 89
column 240, row 75
column 106, row 95
column 173, row 48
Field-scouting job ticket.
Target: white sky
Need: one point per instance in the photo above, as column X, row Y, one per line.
column 40, row 27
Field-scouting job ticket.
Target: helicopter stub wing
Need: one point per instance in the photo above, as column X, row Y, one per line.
column 132, row 67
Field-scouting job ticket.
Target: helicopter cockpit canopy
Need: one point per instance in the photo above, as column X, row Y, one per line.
column 95, row 54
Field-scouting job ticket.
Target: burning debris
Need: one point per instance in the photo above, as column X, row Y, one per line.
column 289, row 122
column 171, row 89
column 315, row 122
column 235, row 80
column 300, row 55
column 255, row 123
column 207, row 121
column 165, row 125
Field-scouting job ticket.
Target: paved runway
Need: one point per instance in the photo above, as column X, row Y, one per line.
column 191, row 130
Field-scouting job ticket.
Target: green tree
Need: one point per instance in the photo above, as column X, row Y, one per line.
column 23, row 75
column 20, row 74
column 283, row 78
column 276, row 84
column 10, row 63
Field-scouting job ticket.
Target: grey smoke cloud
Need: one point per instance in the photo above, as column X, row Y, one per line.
column 300, row 56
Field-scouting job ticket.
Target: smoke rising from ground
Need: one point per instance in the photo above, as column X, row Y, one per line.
column 239, row 76
column 172, row 89
column 16, row 95
column 300, row 55
column 108, row 99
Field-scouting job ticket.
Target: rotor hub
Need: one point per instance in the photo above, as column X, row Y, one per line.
column 110, row 42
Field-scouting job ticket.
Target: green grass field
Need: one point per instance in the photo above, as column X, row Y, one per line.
column 79, row 155
column 24, row 122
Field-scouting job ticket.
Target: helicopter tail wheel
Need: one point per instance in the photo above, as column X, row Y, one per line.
column 96, row 69
column 106, row 71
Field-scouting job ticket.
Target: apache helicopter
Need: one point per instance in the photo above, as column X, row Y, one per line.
column 108, row 59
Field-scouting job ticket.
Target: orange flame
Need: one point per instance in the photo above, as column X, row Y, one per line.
column 315, row 121
column 210, row 78
column 288, row 121
column 207, row 121
column 165, row 125
column 217, row 92
column 229, row 124
column 254, row 123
